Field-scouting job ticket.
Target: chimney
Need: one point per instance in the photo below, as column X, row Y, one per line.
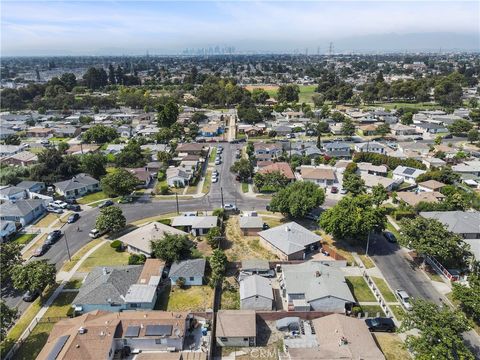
column 104, row 271
column 317, row 273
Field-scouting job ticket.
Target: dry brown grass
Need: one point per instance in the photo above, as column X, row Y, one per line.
column 338, row 247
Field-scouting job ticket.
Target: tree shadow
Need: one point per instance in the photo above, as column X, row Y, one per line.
column 263, row 332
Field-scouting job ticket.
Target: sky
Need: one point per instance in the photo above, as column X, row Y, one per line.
column 164, row 27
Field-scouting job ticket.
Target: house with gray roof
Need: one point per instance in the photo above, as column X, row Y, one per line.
column 197, row 225
column 371, row 147
column 338, row 149
column 463, row 223
column 256, row 293
column 77, row 186
column 315, row 286
column 32, row 186
column 12, row 193
column 251, row 225
column 22, row 211
column 192, row 270
column 290, row 241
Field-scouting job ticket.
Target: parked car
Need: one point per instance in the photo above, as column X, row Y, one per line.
column 53, row 237
column 404, row 299
column 334, row 190
column 30, row 296
column 58, row 204
column 218, row 162
column 448, row 136
column 215, row 172
column 105, row 204
column 72, row 218
column 311, row 216
column 74, row 207
column 94, row 233
column 70, row 200
column 231, row 207
column 390, row 237
column 54, row 210
column 343, row 191
column 380, row 324
column 214, row 179
column 42, row 249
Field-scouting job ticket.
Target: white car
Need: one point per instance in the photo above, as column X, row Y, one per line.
column 218, row 162
column 214, row 179
column 230, row 207
column 404, row 299
column 58, row 204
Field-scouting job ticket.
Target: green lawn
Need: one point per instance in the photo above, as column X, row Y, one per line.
column 79, row 254
column 306, row 93
column 100, row 195
column 73, row 284
column 384, row 289
column 392, row 346
column 104, row 256
column 213, row 153
column 207, row 183
column 193, row 298
column 398, row 312
column 367, row 261
column 23, row 239
column 34, row 342
column 372, row 310
column 359, row 288
column 61, row 306
column 406, row 105
column 230, row 300
column 47, row 220
column 244, row 187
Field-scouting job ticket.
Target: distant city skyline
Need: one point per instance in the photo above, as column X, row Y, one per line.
column 160, row 27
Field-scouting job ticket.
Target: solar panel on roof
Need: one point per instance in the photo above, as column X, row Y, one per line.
column 132, row 331
column 409, row 171
column 158, row 330
column 61, row 341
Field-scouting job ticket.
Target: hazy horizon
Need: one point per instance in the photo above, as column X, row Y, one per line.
column 55, row 28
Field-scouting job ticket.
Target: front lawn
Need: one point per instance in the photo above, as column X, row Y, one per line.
column 392, row 346
column 367, row 261
column 359, row 288
column 207, row 183
column 79, row 254
column 23, row 239
column 193, row 298
column 213, row 154
column 34, row 343
column 97, row 196
column 398, row 311
column 104, row 256
column 372, row 310
column 384, row 289
column 61, row 306
column 47, row 220
column 230, row 300
column 244, row 187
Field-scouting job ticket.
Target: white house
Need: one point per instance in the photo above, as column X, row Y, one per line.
column 371, row 147
column 407, row 174
column 13, row 193
column 177, row 177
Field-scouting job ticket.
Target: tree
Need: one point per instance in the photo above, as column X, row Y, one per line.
column 469, row 296
column 473, row 136
column 110, row 219
column 131, row 155
column 318, row 100
column 407, row 118
column 444, row 175
column 63, row 146
column 243, row 168
column 460, row 127
column 271, row 181
column 218, row 263
column 69, row 81
column 448, row 92
column 167, row 114
column 213, row 236
column 93, row 164
column 12, row 140
column 353, row 218
column 100, row 134
column 248, row 113
column 120, row 182
column 10, row 256
column 172, row 248
column 259, row 96
column 95, row 78
column 288, row 93
column 348, row 128
column 7, row 319
column 379, row 194
column 475, row 115
column 431, row 237
column 383, row 129
column 298, row 199
column 440, row 332
column 353, row 183
column 111, row 75
column 137, row 259
column 34, row 276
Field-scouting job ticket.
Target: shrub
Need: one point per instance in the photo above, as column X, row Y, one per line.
column 136, row 259
column 356, row 310
column 164, row 190
column 180, row 282
column 117, row 245
column 401, row 214
column 161, row 176
column 165, row 221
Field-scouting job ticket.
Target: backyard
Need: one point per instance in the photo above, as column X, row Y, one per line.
column 193, row 298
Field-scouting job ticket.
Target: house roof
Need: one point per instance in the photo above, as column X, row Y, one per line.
column 282, row 167
column 337, row 146
column 316, row 281
column 290, row 238
column 29, row 184
column 196, row 222
column 105, row 285
column 459, row 222
column 24, row 156
column 414, row 199
column 251, row 222
column 317, row 173
column 236, row 323
column 11, row 190
column 255, row 285
column 177, row 172
column 188, row 268
column 408, row 171
column 20, row 208
column 190, row 147
column 432, row 184
column 77, row 182
column 363, row 166
column 140, row 238
column 255, row 264
column 372, row 180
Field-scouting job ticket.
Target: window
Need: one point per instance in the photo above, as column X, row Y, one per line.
column 192, row 278
column 245, row 339
column 223, row 339
column 133, row 305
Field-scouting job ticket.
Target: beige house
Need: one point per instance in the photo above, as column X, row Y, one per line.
column 236, row 328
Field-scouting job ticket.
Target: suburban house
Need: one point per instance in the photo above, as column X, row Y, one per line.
column 12, row 193
column 192, row 148
column 367, row 130
column 23, row 158
column 338, row 150
column 372, row 180
column 22, row 211
column 471, row 167
column 431, row 128
column 256, row 267
column 192, row 271
column 402, row 130
column 414, row 198
column 236, row 328
column 290, row 241
column 407, row 174
column 32, row 186
column 433, row 162
column 256, row 293
column 9, row 150
column 177, row 177
column 464, row 223
column 77, row 186
column 267, row 151
column 120, row 288
column 371, row 147
column 104, row 335
column 40, row 132
column 281, row 167
column 196, row 225
column 322, row 176
column 315, row 286
column 430, row 185
column 336, row 337
column 138, row 241
column 211, row 130
column 144, row 177
column 379, row 170
column 7, row 229
column 251, row 225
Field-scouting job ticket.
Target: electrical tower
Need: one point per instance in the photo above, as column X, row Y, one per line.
column 330, row 49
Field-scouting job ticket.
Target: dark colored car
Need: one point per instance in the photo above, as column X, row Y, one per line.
column 72, row 218
column 41, row 250
column 30, row 296
column 448, row 136
column 334, row 190
column 265, row 226
column 390, row 237
column 53, row 237
column 70, row 200
column 380, row 324
column 106, row 204
column 74, row 207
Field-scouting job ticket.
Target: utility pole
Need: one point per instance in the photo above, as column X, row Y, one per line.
column 221, row 194
column 66, row 244
column 176, row 198
column 368, row 243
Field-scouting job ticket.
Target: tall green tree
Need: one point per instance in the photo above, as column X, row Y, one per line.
column 10, row 256
column 120, row 182
column 353, row 183
column 270, row 182
column 348, row 128
column 218, row 264
column 288, row 93
column 379, row 194
column 298, row 199
column 7, row 319
column 243, row 168
column 172, row 248
column 460, row 127
column 34, row 275
column 99, row 134
column 167, row 114
column 110, row 219
column 94, row 164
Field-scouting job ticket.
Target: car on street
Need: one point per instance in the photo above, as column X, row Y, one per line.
column 59, row 204
column 53, row 237
column 218, row 161
column 404, row 299
column 215, row 172
column 390, row 237
column 448, row 136
column 231, row 207
column 380, row 324
column 74, row 207
column 334, row 190
column 70, row 200
column 94, row 233
column 72, row 218
column 106, row 204
column 30, row 296
column 42, row 249
column 214, row 179
column 54, row 210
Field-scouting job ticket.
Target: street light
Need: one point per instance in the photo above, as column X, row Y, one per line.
column 65, row 238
